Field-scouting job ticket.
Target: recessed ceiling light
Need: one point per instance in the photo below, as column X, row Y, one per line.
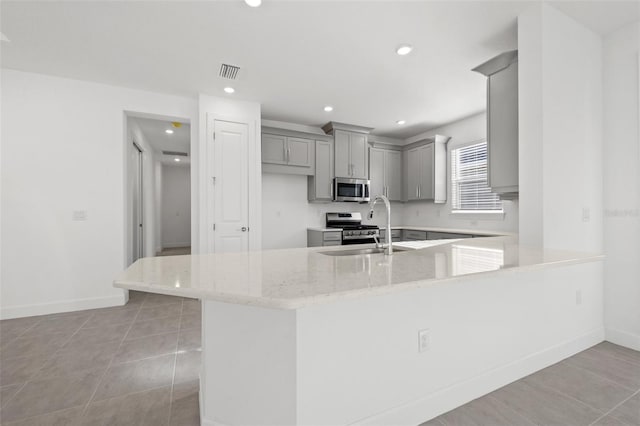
column 253, row 3
column 169, row 131
column 404, row 49
column 328, row 108
column 229, row 89
column 177, row 160
column 400, row 122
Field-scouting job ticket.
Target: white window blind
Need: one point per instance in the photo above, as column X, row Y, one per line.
column 470, row 191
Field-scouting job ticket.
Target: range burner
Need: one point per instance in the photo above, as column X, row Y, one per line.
column 353, row 231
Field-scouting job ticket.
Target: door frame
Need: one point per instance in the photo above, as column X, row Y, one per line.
column 207, row 242
column 194, row 181
column 140, row 228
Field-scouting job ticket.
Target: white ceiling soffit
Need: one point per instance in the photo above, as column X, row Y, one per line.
column 295, row 57
column 601, row 17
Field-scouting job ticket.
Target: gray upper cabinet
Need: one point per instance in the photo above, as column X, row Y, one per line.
column 502, row 122
column 274, row 149
column 385, row 173
column 351, row 154
column 285, row 150
column 299, row 152
column 426, row 174
column 320, row 184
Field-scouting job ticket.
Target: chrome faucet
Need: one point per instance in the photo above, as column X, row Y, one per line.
column 388, row 246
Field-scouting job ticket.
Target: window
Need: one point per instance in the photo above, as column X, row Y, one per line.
column 469, row 189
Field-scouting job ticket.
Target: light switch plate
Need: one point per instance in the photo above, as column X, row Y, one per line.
column 424, row 340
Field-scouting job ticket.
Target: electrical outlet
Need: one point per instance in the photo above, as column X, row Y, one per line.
column 578, row 297
column 424, row 340
column 79, row 215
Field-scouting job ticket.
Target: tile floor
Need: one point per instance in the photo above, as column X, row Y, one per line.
column 176, row 251
column 599, row 386
column 131, row 365
column 138, row 365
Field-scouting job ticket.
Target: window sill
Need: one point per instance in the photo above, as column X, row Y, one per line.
column 478, row 215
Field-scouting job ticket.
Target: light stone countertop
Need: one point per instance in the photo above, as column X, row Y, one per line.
column 325, row 229
column 294, row 278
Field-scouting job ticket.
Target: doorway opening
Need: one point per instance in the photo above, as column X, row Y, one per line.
column 159, row 186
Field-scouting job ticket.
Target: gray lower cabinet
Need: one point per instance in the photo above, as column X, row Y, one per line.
column 385, row 173
column 413, row 235
column 319, row 238
column 426, row 174
column 396, row 235
column 286, row 150
column 445, row 235
column 320, row 183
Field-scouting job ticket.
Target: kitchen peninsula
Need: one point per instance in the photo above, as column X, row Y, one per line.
column 308, row 337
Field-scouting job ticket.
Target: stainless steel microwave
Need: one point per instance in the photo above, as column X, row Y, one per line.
column 356, row 190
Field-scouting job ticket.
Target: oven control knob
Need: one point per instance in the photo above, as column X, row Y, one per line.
column 372, row 232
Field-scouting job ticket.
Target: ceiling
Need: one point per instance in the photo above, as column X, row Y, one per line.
column 179, row 141
column 295, row 56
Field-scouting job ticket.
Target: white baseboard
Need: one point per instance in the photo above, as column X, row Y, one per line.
column 175, row 245
column 459, row 394
column 62, row 306
column 622, row 338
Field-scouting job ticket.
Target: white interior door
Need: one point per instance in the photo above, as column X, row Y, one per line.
column 231, row 187
column 137, row 202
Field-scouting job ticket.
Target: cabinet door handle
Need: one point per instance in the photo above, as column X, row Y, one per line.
column 419, row 191
column 417, row 196
column 288, row 154
column 284, row 151
column 331, row 190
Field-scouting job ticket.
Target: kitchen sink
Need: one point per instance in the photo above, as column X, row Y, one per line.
column 357, row 252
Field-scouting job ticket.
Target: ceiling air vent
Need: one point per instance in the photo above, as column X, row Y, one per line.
column 175, row 153
column 229, row 71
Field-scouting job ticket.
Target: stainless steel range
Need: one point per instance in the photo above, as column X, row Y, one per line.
column 353, row 231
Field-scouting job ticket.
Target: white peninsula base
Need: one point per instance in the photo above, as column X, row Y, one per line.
column 357, row 360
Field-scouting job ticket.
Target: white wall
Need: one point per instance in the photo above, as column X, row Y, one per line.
column 63, row 146
column 176, row 206
column 426, row 213
column 560, row 101
column 232, row 110
column 622, row 186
